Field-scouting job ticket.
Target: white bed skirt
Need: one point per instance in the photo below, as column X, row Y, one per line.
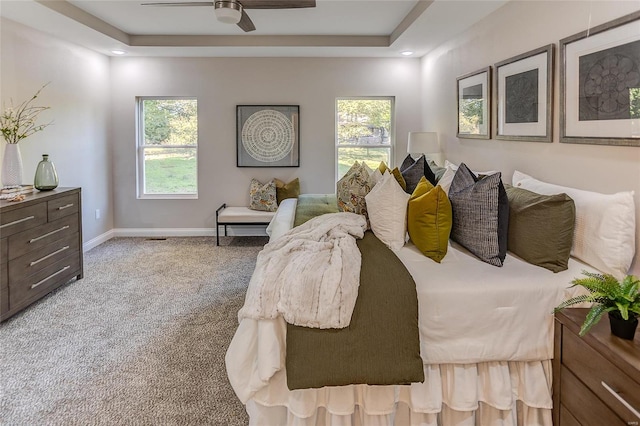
column 489, row 393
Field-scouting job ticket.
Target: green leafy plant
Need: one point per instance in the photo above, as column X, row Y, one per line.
column 607, row 294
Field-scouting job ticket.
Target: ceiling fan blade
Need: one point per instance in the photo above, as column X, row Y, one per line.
column 276, row 4
column 245, row 23
column 188, row 3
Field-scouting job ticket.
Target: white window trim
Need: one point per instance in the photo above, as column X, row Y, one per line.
column 140, row 153
column 392, row 131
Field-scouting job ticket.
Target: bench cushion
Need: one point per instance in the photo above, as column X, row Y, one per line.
column 244, row 214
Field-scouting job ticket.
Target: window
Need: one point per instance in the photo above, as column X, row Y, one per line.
column 167, row 147
column 364, row 131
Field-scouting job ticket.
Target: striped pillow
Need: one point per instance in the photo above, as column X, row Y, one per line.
column 480, row 214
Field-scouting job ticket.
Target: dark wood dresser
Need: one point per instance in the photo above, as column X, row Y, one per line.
column 40, row 246
column 596, row 378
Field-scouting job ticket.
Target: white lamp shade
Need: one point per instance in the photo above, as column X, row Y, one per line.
column 425, row 143
column 228, row 15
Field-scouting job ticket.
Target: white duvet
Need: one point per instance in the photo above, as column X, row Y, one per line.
column 469, row 312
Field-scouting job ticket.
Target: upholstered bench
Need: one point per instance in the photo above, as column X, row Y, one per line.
column 239, row 216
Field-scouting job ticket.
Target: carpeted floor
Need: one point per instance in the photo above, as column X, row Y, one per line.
column 140, row 340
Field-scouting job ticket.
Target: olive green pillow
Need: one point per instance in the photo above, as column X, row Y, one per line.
column 541, row 227
column 287, row 190
column 398, row 175
column 429, row 219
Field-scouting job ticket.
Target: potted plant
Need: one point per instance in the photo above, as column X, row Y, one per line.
column 16, row 124
column 619, row 298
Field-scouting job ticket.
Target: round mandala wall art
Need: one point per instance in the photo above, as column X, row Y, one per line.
column 267, row 136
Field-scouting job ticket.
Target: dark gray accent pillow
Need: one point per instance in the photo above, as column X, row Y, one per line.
column 414, row 173
column 480, row 214
column 407, row 162
column 541, row 227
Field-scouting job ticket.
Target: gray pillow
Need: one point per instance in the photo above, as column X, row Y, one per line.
column 541, row 227
column 480, row 214
column 414, row 170
column 437, row 170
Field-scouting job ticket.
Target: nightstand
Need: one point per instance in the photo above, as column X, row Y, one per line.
column 596, row 378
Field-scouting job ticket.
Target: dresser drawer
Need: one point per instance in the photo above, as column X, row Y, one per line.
column 43, row 235
column 587, row 409
column 36, row 260
column 593, row 369
column 18, row 220
column 63, row 206
column 33, row 287
column 4, row 277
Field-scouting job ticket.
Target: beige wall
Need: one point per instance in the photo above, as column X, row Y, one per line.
column 222, row 83
column 78, row 94
column 516, row 28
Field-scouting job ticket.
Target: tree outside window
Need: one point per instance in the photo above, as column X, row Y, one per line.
column 167, row 147
column 364, row 131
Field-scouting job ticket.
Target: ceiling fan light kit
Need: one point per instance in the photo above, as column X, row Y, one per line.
column 233, row 11
column 228, row 12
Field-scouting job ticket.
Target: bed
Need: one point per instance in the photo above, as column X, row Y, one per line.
column 486, row 342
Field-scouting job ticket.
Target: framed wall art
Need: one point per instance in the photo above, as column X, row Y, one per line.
column 474, row 104
column 524, row 96
column 268, row 135
column 600, row 84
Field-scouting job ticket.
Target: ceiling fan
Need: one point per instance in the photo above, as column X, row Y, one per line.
column 233, row 11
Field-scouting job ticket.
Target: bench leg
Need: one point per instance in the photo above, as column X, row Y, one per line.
column 217, row 234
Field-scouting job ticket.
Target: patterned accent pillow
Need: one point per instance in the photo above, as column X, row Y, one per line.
column 352, row 188
column 263, row 197
column 480, row 214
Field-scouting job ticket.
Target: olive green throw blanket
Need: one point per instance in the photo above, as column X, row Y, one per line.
column 312, row 205
column 381, row 344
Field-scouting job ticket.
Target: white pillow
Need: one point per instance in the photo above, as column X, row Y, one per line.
column 604, row 234
column 376, row 176
column 450, row 172
column 387, row 207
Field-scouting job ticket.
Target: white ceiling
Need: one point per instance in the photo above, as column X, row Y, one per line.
column 334, row 28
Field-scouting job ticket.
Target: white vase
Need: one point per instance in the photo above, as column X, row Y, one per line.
column 11, row 165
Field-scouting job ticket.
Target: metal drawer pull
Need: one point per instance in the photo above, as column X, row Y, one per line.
column 24, row 219
column 50, row 276
column 65, row 207
column 33, row 240
column 49, row 255
column 619, row 398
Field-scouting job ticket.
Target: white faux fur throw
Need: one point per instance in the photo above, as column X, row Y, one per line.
column 310, row 275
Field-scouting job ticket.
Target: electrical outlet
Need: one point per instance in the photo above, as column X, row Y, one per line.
column 97, row 214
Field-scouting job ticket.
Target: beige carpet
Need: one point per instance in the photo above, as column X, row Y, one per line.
column 140, row 340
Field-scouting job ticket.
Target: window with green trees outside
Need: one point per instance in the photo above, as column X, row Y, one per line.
column 167, row 147
column 364, row 131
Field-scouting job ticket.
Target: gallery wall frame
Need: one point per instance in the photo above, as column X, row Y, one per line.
column 600, row 84
column 523, row 106
column 268, row 135
column 473, row 92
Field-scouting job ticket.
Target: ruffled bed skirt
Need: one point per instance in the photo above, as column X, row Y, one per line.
column 489, row 393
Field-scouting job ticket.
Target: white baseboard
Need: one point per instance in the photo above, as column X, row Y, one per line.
column 237, row 231
column 97, row 240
